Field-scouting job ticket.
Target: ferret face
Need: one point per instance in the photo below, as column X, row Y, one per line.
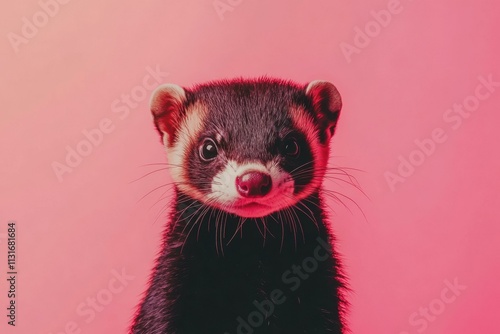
column 248, row 147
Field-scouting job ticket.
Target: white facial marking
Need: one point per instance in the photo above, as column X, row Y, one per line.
column 319, row 151
column 188, row 130
column 225, row 195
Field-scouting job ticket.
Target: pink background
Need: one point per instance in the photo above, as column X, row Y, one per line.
column 441, row 224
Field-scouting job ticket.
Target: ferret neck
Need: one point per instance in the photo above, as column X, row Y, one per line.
column 195, row 225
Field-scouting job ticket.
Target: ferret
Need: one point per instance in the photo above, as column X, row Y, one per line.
column 247, row 248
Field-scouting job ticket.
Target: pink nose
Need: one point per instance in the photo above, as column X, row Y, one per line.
column 253, row 184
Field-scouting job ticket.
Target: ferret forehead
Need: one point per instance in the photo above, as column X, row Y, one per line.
column 249, row 115
column 259, row 103
column 248, row 95
column 248, row 137
column 247, row 85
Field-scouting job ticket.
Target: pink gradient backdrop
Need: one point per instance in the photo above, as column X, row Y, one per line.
column 441, row 224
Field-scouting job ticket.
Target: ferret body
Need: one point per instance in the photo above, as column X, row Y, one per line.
column 247, row 248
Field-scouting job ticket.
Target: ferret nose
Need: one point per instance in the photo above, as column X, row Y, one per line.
column 253, row 184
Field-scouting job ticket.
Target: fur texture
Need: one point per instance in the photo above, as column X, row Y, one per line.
column 234, row 264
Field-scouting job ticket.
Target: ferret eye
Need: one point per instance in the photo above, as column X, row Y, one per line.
column 208, row 150
column 290, row 147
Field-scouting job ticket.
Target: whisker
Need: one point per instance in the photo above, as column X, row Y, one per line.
column 223, row 230
column 205, row 208
column 282, row 229
column 300, row 225
column 155, row 189
column 147, row 174
column 182, row 213
column 334, row 193
column 238, row 229
column 310, row 216
column 291, row 223
column 161, row 164
column 162, row 197
column 162, row 211
column 258, row 227
column 302, row 166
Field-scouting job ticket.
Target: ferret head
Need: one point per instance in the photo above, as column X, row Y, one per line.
column 248, row 147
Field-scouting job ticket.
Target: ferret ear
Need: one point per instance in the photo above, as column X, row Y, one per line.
column 166, row 106
column 326, row 102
